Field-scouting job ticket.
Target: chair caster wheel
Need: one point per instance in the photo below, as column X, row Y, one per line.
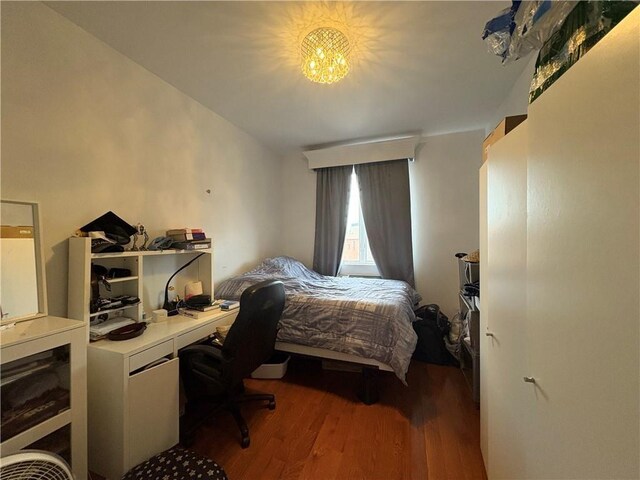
column 245, row 442
column 272, row 405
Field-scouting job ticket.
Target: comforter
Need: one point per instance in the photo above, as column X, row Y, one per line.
column 369, row 318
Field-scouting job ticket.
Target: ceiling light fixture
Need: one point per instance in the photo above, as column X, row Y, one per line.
column 325, row 55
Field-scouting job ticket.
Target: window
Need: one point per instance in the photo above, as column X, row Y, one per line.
column 356, row 256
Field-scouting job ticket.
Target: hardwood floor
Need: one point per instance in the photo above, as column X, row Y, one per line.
column 319, row 430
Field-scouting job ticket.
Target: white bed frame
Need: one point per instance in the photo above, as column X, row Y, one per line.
column 330, row 355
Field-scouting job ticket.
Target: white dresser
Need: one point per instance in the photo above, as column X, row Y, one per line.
column 56, row 347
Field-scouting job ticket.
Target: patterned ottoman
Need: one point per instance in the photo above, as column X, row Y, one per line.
column 177, row 464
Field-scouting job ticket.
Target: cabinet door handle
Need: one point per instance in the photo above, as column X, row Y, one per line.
column 489, row 334
column 529, row 379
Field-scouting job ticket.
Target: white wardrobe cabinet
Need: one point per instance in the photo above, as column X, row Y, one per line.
column 561, row 276
column 504, row 348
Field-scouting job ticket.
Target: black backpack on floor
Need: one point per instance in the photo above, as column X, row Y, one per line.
column 431, row 327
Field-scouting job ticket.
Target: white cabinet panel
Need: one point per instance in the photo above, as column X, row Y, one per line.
column 153, row 411
column 583, row 265
column 486, row 360
column 504, row 351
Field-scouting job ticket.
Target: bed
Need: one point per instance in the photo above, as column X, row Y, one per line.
column 360, row 320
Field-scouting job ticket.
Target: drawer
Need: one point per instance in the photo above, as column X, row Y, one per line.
column 149, row 355
column 195, row 335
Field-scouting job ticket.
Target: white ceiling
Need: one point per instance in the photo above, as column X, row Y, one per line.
column 417, row 66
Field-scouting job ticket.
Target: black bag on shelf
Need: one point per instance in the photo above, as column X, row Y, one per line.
column 431, row 327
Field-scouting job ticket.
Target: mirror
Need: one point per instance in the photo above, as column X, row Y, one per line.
column 22, row 278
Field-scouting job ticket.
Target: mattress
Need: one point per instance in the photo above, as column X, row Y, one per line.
column 369, row 318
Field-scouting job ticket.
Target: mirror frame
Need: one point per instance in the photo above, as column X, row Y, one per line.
column 40, row 265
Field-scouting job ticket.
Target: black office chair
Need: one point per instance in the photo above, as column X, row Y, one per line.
column 212, row 376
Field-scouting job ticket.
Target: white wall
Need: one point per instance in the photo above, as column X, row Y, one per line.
column 86, row 130
column 444, row 202
column 444, row 212
column 299, row 208
column 516, row 101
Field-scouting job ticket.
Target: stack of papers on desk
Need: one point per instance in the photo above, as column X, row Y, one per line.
column 100, row 330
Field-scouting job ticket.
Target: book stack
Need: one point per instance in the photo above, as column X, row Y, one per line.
column 189, row 239
column 229, row 304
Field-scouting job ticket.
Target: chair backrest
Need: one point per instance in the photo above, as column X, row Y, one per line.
column 252, row 337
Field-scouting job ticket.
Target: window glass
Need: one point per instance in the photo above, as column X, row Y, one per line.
column 356, row 245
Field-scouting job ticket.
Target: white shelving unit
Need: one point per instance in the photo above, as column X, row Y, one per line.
column 133, row 401
column 150, row 271
column 470, row 354
column 25, row 344
column 111, row 281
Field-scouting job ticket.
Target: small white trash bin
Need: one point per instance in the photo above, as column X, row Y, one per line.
column 275, row 367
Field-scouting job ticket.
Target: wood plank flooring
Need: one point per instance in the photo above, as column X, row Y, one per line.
column 320, row 431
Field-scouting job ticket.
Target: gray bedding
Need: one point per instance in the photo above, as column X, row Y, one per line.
column 369, row 318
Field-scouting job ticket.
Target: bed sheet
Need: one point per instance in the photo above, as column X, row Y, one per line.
column 366, row 317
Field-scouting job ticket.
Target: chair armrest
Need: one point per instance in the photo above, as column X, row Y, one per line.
column 207, row 350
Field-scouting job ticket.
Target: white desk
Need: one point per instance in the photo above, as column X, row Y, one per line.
column 134, row 413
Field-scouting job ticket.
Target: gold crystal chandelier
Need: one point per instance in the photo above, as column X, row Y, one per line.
column 325, row 55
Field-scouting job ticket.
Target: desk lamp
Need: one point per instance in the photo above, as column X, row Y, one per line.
column 172, row 307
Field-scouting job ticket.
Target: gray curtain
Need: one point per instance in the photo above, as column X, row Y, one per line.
column 332, row 206
column 386, row 208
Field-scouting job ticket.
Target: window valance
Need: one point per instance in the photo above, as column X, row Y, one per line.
column 358, row 153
